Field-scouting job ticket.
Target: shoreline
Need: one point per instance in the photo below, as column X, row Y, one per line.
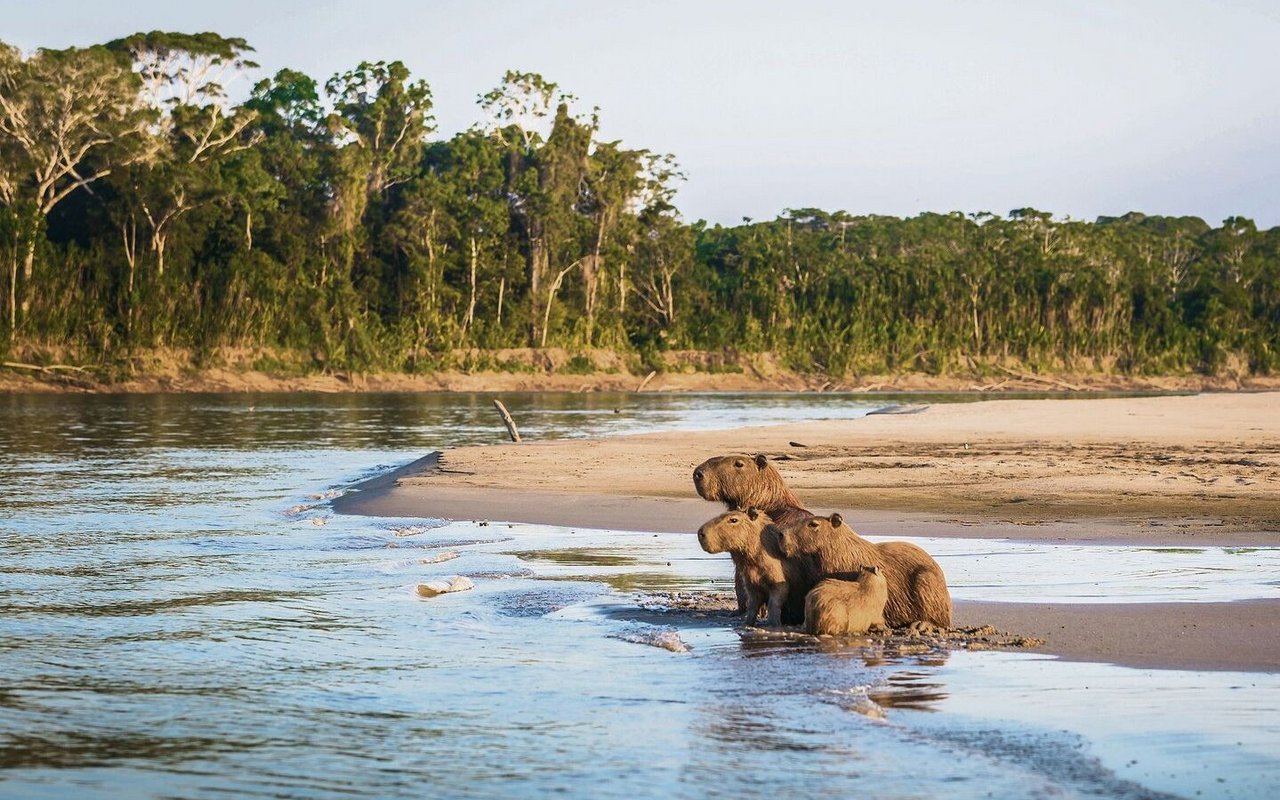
column 1213, row 636
column 1197, row 471
column 31, row 379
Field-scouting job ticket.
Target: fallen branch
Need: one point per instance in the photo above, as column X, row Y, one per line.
column 507, row 420
column 44, row 368
column 646, row 380
column 1039, row 379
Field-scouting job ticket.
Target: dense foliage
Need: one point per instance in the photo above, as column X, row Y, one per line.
column 140, row 208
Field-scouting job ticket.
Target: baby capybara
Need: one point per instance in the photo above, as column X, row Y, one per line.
column 848, row 605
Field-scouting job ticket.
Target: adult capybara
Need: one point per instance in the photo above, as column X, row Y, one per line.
column 823, row 546
column 742, row 481
column 763, row 576
column 848, row 605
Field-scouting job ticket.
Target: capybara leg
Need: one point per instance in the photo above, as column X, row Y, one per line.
column 777, row 597
column 933, row 600
column 740, row 589
column 754, row 600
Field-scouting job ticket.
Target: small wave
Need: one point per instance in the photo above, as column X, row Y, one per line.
column 540, row 602
column 664, row 638
column 438, row 558
column 451, row 543
column 412, row 530
column 856, row 699
column 499, row 574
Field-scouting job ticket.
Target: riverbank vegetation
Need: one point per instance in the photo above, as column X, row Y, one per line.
column 143, row 210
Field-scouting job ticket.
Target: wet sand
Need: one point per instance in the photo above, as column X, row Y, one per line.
column 1168, row 471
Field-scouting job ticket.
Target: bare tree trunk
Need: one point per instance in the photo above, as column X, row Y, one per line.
column 29, row 261
column 158, row 241
column 538, row 268
column 622, row 286
column 551, row 296
column 429, row 241
column 129, row 238
column 471, row 300
column 502, row 290
column 670, row 297
column 28, row 267
column 13, row 294
column 591, row 280
column 977, row 335
column 590, row 288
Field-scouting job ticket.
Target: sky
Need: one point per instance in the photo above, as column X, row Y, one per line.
column 1080, row 109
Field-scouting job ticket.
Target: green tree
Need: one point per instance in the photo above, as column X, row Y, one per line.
column 68, row 118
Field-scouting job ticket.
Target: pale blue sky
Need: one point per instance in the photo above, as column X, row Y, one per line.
column 1079, row 108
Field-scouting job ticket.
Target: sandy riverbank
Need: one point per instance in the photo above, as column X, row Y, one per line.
column 1200, row 470
column 760, row 375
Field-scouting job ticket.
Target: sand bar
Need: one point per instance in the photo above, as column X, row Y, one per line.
column 1198, row 470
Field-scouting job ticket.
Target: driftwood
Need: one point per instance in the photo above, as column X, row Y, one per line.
column 646, row 380
column 1039, row 379
column 43, row 367
column 507, row 420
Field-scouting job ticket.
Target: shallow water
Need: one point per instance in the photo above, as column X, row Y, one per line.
column 181, row 616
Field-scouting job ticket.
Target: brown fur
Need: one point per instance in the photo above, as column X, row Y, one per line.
column 764, row 577
column 824, row 546
column 848, row 605
column 742, row 481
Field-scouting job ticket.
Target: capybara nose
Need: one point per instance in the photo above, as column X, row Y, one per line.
column 697, row 475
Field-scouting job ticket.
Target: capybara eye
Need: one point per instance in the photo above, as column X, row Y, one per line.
column 738, row 464
column 697, row 474
column 813, row 524
column 733, row 519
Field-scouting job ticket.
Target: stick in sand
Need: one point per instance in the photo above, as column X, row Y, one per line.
column 507, row 420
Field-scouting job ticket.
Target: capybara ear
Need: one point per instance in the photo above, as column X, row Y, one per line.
column 761, row 461
column 836, row 520
column 753, row 513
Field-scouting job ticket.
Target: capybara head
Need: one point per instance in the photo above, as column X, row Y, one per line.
column 732, row 530
column 805, row 538
column 742, row 481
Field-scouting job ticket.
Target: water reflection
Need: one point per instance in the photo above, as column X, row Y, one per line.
column 918, row 691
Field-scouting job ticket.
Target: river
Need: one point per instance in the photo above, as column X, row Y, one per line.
column 182, row 616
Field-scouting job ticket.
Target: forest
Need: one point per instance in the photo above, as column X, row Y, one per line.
column 144, row 206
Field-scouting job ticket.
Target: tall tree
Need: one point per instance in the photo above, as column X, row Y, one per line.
column 68, row 118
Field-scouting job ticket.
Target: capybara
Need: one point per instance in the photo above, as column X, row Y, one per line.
column 741, row 482
column 848, row 605
column 764, row 577
column 822, row 546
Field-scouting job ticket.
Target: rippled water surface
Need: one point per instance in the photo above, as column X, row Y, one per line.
column 181, row 616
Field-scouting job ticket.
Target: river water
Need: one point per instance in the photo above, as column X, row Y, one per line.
column 182, row 616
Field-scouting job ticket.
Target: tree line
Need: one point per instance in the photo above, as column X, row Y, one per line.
column 140, row 209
